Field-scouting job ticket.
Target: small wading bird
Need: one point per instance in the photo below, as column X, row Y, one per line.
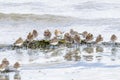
column 47, row 34
column 77, row 40
column 73, row 33
column 30, row 37
column 84, row 34
column 89, row 37
column 19, row 42
column 68, row 38
column 35, row 34
column 113, row 38
column 99, row 39
column 54, row 42
column 5, row 61
column 17, row 66
column 4, row 65
column 58, row 34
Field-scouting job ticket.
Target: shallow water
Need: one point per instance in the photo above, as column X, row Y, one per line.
column 19, row 17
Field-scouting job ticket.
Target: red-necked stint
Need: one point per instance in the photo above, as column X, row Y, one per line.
column 19, row 42
column 84, row 34
column 68, row 38
column 54, row 41
column 30, row 37
column 77, row 39
column 58, row 34
column 4, row 65
column 73, row 33
column 47, row 34
column 35, row 33
column 17, row 66
column 99, row 39
column 5, row 61
column 113, row 38
column 89, row 37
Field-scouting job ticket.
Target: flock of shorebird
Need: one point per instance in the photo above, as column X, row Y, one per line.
column 70, row 37
column 30, row 37
column 4, row 66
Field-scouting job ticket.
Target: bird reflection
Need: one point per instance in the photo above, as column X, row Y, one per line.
column 99, row 49
column 99, row 58
column 113, row 53
column 17, row 76
column 88, row 57
column 4, row 76
column 33, row 55
column 88, row 50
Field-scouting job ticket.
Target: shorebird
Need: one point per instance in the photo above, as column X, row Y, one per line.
column 5, row 61
column 30, row 37
column 72, row 32
column 19, row 42
column 68, row 38
column 84, row 34
column 89, row 37
column 54, row 41
column 17, row 65
column 35, row 33
column 2, row 67
column 99, row 39
column 47, row 34
column 113, row 38
column 58, row 33
column 77, row 40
